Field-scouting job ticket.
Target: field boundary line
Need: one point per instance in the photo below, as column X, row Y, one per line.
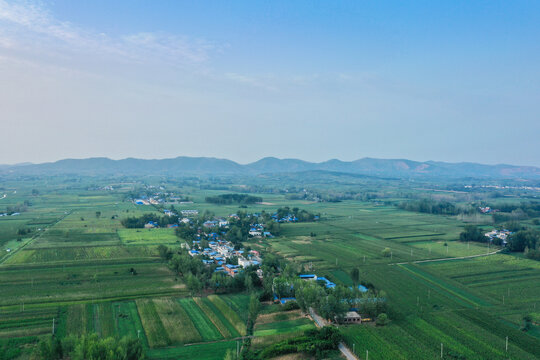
column 447, row 259
column 34, row 238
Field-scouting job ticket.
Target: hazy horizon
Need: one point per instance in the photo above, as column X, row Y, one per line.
column 250, row 162
column 453, row 82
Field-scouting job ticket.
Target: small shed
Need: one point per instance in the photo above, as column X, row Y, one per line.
column 352, row 317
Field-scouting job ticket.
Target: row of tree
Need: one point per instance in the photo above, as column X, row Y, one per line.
column 330, row 303
column 523, row 240
column 138, row 222
column 300, row 214
column 430, row 206
column 89, row 347
column 229, row 199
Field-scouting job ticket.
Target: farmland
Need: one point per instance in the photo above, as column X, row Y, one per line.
column 79, row 267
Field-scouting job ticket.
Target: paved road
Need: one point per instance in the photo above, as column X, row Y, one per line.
column 346, row 352
column 446, row 259
column 341, row 346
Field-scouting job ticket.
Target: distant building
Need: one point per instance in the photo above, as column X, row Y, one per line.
column 232, row 270
column 352, row 317
column 243, row 262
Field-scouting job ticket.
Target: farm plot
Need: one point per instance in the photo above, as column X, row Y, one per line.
column 128, row 322
column 500, row 278
column 214, row 318
column 209, row 351
column 166, row 322
column 71, row 254
column 274, row 325
column 61, row 285
column 453, row 248
column 55, row 237
column 202, row 323
column 26, row 323
column 147, row 236
column 283, row 327
column 229, row 314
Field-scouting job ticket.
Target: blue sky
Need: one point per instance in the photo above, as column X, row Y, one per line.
column 451, row 81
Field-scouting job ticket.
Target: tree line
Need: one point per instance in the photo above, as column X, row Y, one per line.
column 138, row 222
column 430, row 206
column 525, row 240
column 228, row 199
column 89, row 347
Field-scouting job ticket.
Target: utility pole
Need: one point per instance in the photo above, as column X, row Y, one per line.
column 367, row 354
column 364, row 259
column 237, row 349
column 138, row 334
column 355, row 344
column 441, row 350
column 507, row 344
column 53, row 326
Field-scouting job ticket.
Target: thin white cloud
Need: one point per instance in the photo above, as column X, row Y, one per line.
column 31, row 26
column 257, row 82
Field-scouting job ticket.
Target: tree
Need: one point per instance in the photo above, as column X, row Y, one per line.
column 524, row 239
column 254, row 307
column 193, row 284
column 527, row 323
column 164, row 252
column 355, row 275
column 382, row 319
column 98, row 214
column 473, row 233
column 89, row 347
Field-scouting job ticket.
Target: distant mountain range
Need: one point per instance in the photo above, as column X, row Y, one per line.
column 395, row 168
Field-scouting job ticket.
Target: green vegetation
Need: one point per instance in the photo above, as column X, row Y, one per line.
column 72, row 260
column 89, row 347
column 227, row 199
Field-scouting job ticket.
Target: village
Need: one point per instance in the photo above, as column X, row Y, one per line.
column 209, row 236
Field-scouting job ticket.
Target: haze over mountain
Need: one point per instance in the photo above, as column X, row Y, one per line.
column 398, row 168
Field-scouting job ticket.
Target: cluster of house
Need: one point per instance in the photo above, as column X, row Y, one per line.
column 220, row 251
column 500, row 234
column 147, row 201
column 487, row 210
column 257, row 230
column 159, row 197
column 351, row 317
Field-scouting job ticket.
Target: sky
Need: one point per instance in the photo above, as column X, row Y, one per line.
column 424, row 80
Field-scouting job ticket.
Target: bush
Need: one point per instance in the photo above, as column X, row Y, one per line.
column 291, row 305
column 382, row 319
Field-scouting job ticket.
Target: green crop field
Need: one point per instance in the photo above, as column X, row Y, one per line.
column 202, row 323
column 232, row 316
column 210, row 351
column 79, row 266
